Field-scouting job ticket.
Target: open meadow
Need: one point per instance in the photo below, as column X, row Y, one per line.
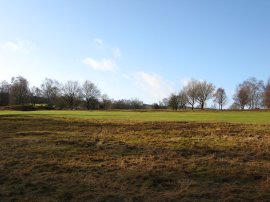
column 134, row 156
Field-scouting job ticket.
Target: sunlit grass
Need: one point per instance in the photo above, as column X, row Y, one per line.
column 256, row 117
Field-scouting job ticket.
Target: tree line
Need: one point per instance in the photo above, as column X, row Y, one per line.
column 54, row 95
column 250, row 94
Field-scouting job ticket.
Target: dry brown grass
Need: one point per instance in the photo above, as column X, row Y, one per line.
column 68, row 160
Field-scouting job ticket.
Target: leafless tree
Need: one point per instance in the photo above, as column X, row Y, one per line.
column 256, row 90
column 19, row 91
column 164, row 103
column 204, row 92
column 266, row 95
column 182, row 99
column 4, row 93
column 250, row 93
column 220, row 98
column 174, row 102
column 241, row 96
column 90, row 93
column 51, row 91
column 72, row 93
column 191, row 90
column 136, row 103
column 35, row 95
column 106, row 102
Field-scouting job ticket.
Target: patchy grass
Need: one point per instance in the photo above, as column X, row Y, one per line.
column 251, row 117
column 51, row 159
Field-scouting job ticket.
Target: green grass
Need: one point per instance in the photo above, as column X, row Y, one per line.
column 250, row 117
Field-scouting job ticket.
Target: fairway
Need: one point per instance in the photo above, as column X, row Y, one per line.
column 250, row 117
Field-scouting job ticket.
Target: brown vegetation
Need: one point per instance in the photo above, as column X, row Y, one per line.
column 69, row 160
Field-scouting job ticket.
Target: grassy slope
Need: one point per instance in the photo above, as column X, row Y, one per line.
column 256, row 117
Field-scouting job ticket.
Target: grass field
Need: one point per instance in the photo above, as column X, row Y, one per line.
column 256, row 117
column 134, row 156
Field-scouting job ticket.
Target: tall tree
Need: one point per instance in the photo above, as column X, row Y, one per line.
column 182, row 99
column 250, row 93
column 136, row 104
column 174, row 101
column 266, row 96
column 19, row 91
column 106, row 102
column 220, row 98
column 204, row 92
column 51, row 91
column 256, row 89
column 90, row 94
column 241, row 97
column 4, row 93
column 164, row 103
column 191, row 90
column 35, row 95
column 72, row 93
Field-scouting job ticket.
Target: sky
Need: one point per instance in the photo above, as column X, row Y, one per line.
column 144, row 49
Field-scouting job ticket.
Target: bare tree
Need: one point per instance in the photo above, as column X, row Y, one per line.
column 204, row 92
column 266, row 96
column 191, row 90
column 4, row 93
column 182, row 99
column 174, row 101
column 36, row 95
column 72, row 93
column 19, row 91
column 241, row 96
column 250, row 94
column 256, row 90
column 220, row 98
column 106, row 102
column 50, row 91
column 164, row 103
column 90, row 94
column 136, row 104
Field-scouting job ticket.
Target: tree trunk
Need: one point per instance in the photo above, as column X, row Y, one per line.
column 202, row 105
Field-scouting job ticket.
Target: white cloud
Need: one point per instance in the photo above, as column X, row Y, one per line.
column 116, row 52
column 153, row 84
column 110, row 56
column 19, row 45
column 103, row 65
column 184, row 82
column 126, row 76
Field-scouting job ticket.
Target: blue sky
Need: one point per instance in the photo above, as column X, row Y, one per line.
column 142, row 49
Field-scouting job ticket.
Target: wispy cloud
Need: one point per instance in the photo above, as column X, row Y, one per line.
column 22, row 45
column 103, row 65
column 126, row 76
column 116, row 52
column 185, row 81
column 153, row 84
column 98, row 42
column 110, row 57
